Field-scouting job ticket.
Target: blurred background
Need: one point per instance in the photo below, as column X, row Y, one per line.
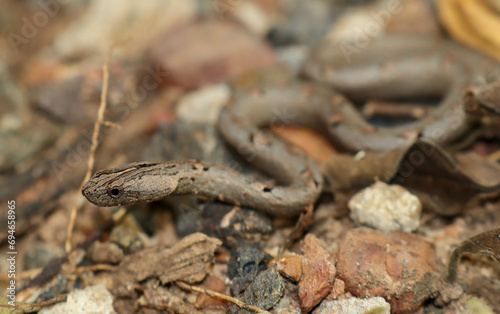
column 173, row 65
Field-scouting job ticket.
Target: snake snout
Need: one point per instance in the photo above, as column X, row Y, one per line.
column 86, row 193
column 87, row 190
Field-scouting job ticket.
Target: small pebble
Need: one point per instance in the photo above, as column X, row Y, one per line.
column 62, row 99
column 253, row 17
column 54, row 288
column 289, row 266
column 401, row 267
column 264, row 292
column 40, row 255
column 337, row 290
column 105, row 252
column 318, row 273
column 203, row 105
column 386, row 208
column 354, row 306
column 233, row 223
column 293, row 56
column 92, row 299
column 289, row 303
column 127, row 238
column 476, row 305
column 246, row 262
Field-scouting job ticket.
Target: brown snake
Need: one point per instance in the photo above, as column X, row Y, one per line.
column 393, row 68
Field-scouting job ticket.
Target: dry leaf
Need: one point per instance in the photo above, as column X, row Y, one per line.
column 472, row 23
column 189, row 260
column 315, row 145
column 444, row 184
column 486, row 243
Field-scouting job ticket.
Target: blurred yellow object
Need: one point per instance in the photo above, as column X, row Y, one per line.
column 472, row 22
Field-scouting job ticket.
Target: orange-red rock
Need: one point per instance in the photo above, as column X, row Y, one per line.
column 398, row 266
column 289, row 266
column 318, row 273
column 337, row 290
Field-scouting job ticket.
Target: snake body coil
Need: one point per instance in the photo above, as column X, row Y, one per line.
column 392, row 68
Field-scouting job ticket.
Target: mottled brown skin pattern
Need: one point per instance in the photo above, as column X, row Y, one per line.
column 146, row 182
column 487, row 243
column 392, row 68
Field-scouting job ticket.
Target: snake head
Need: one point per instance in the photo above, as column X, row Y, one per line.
column 131, row 183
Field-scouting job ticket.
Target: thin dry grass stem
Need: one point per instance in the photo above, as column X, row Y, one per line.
column 112, row 124
column 24, row 275
column 97, row 267
column 91, row 160
column 35, row 307
column 494, row 157
column 221, row 296
column 119, row 215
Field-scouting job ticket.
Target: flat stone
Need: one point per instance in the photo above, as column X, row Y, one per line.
column 219, row 51
column 318, row 273
column 398, row 266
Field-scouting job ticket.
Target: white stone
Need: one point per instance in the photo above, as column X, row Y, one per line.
column 355, row 25
column 354, row 306
column 253, row 17
column 293, row 56
column 93, row 299
column 203, row 105
column 386, row 208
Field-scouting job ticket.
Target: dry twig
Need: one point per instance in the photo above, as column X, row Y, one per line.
column 35, row 307
column 90, row 165
column 396, row 110
column 97, row 267
column 221, row 296
column 24, row 275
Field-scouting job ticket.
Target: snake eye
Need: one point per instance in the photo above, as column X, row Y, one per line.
column 115, row 192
